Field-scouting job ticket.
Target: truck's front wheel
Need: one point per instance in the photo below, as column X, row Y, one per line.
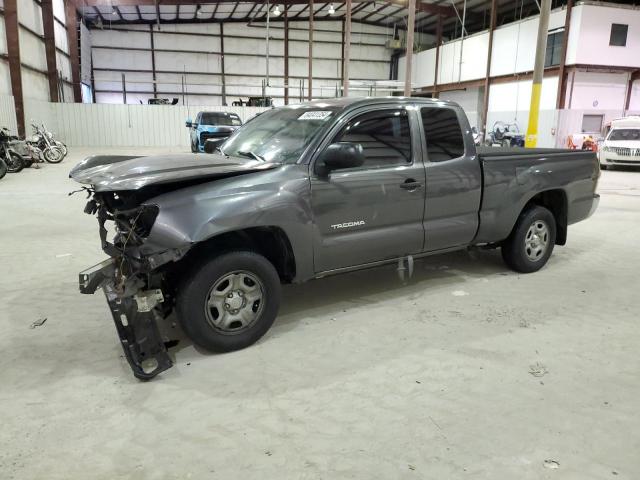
column 229, row 302
column 532, row 240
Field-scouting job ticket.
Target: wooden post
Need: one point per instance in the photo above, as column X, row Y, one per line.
column 310, row 95
column 487, row 78
column 347, row 51
column 50, row 48
column 71, row 19
column 286, row 54
column 411, row 23
column 562, row 76
column 437, row 67
column 12, row 29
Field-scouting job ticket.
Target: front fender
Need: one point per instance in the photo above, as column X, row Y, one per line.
column 278, row 197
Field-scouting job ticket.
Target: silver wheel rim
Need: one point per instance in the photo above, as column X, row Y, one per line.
column 235, row 302
column 52, row 154
column 536, row 241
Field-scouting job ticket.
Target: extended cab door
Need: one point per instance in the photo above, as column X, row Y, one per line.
column 373, row 212
column 454, row 178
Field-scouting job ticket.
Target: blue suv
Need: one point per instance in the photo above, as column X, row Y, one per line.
column 211, row 125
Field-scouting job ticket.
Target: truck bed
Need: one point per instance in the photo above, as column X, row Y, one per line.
column 512, row 176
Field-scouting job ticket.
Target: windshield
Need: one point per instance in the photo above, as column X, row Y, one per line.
column 279, row 135
column 625, row 134
column 219, row 118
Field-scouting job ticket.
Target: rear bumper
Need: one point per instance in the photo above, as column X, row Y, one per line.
column 135, row 318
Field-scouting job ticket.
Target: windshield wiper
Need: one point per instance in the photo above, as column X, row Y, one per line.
column 252, row 155
column 218, row 149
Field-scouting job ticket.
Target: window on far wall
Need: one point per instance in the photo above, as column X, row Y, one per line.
column 618, row 36
column 554, row 49
column 592, row 123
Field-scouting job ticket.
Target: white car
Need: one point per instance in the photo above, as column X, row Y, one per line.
column 622, row 144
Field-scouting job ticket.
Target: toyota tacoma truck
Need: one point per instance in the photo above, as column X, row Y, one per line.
column 306, row 191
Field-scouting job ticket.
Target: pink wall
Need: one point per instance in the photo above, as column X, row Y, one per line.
column 590, row 44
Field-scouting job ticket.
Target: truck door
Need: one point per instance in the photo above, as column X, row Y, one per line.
column 372, row 212
column 453, row 178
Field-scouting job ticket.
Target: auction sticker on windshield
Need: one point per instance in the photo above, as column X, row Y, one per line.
column 315, row 115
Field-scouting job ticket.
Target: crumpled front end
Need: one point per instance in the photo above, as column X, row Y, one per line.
column 133, row 278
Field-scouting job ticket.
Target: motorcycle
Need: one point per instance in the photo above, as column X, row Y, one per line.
column 44, row 147
column 57, row 143
column 12, row 160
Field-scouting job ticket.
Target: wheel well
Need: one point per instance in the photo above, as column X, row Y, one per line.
column 556, row 202
column 270, row 242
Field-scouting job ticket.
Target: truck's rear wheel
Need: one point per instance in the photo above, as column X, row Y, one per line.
column 532, row 240
column 229, row 302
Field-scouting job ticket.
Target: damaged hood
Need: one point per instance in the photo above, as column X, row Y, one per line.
column 109, row 173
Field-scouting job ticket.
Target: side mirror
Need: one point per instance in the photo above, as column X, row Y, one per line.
column 188, row 123
column 338, row 156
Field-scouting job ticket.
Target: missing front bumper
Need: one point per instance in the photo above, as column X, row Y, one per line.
column 135, row 317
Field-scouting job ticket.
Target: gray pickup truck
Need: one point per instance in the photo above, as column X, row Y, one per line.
column 306, row 191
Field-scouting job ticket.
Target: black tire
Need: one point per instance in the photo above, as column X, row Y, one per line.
column 516, row 249
column 15, row 164
column 3, row 168
column 193, row 147
column 196, row 315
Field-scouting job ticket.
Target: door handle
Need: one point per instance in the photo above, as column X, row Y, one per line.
column 411, row 185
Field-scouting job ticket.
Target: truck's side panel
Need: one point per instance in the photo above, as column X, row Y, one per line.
column 280, row 198
column 366, row 214
column 454, row 185
column 510, row 181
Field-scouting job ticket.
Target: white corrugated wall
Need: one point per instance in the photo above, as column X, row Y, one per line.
column 8, row 114
column 104, row 125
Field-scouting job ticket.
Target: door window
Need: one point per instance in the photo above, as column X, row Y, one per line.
column 385, row 137
column 443, row 133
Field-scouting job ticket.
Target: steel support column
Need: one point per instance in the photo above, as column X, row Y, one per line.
column 12, row 29
column 347, row 50
column 50, row 48
column 437, row 66
column 411, row 23
column 71, row 21
column 633, row 77
column 310, row 80
column 286, row 54
column 531, row 138
column 223, row 79
column 153, row 61
column 487, row 78
column 562, row 75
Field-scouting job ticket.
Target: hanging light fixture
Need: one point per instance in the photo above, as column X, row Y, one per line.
column 114, row 11
column 276, row 11
column 331, row 9
column 199, row 10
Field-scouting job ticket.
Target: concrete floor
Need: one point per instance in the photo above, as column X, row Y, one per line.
column 360, row 377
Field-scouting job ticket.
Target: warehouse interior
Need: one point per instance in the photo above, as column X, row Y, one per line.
column 415, row 365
